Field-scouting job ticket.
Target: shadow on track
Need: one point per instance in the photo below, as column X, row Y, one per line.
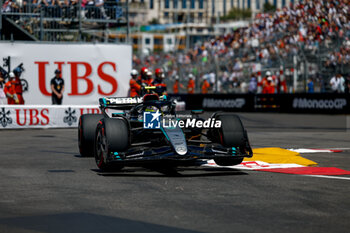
column 44, row 136
column 83, row 222
column 81, row 157
column 172, row 172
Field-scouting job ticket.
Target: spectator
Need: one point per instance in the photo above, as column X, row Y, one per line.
column 158, row 82
column 236, row 85
column 337, row 84
column 57, row 88
column 63, row 8
column 49, row 7
column 347, row 85
column 2, row 93
column 134, row 86
column 264, row 83
column 100, row 5
column 17, row 85
column 310, row 86
column 191, row 84
column 9, row 6
column 253, row 85
column 270, row 86
column 177, row 85
column 149, row 80
column 205, row 86
column 9, row 90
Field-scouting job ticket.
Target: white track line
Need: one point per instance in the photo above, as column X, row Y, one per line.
column 330, row 177
column 306, row 151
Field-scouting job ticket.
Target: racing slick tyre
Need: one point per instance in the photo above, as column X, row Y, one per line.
column 112, row 135
column 86, row 133
column 231, row 134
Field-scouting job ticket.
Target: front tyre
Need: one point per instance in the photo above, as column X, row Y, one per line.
column 86, row 133
column 112, row 135
column 231, row 134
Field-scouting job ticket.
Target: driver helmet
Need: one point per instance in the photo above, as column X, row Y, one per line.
column 151, row 109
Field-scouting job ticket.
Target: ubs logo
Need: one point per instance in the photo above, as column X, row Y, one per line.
column 5, row 118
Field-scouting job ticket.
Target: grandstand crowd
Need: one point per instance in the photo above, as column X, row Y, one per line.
column 266, row 57
column 318, row 29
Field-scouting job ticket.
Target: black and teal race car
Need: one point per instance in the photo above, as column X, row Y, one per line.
column 148, row 130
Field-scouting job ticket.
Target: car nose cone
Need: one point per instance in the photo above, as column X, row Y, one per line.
column 181, row 150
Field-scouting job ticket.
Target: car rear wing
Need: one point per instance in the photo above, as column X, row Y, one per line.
column 123, row 103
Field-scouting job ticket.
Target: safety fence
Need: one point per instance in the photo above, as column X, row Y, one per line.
column 48, row 116
column 67, row 116
column 67, row 22
column 325, row 103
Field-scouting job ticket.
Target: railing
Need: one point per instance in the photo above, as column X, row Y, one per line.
column 68, row 22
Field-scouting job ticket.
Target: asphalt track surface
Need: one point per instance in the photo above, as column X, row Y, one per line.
column 45, row 186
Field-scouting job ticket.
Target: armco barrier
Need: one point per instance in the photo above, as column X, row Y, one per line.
column 42, row 116
column 48, row 116
column 322, row 103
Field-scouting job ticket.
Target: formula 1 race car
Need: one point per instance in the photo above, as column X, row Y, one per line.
column 140, row 131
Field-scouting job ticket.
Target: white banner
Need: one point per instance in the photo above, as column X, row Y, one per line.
column 49, row 116
column 89, row 71
column 43, row 116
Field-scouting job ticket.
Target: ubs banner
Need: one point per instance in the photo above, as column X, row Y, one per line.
column 43, row 116
column 89, row 71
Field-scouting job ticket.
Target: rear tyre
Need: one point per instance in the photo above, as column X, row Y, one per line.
column 112, row 135
column 231, row 134
column 86, row 133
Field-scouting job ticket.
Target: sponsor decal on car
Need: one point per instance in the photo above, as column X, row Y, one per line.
column 118, row 100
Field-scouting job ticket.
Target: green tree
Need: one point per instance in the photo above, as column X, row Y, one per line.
column 268, row 7
column 153, row 21
column 235, row 14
